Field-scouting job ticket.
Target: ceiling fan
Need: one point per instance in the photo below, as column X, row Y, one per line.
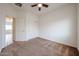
column 40, row 5
column 18, row 4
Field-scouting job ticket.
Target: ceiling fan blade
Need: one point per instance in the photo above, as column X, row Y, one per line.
column 18, row 4
column 34, row 5
column 39, row 9
column 45, row 5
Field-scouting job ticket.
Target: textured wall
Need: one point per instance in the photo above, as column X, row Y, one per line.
column 60, row 25
column 5, row 10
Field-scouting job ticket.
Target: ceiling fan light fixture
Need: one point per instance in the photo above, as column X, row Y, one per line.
column 18, row 4
column 39, row 5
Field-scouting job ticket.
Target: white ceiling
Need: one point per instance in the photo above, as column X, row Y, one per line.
column 52, row 6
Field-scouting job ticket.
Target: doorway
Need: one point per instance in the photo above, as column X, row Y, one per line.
column 9, row 30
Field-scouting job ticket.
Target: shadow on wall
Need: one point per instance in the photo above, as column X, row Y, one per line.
column 59, row 30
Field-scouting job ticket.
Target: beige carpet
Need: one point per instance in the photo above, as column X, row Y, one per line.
column 38, row 47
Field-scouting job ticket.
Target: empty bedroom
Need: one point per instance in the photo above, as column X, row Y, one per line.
column 39, row 29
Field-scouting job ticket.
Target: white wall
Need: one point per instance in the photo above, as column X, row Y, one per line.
column 32, row 29
column 78, row 26
column 0, row 30
column 5, row 10
column 26, row 26
column 60, row 25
